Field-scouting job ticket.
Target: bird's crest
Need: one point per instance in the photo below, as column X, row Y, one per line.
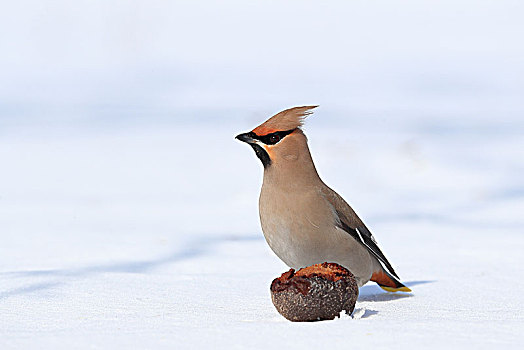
column 288, row 119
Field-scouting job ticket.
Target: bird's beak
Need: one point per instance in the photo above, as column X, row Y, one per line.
column 245, row 137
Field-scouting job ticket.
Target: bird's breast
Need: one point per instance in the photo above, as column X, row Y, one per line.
column 295, row 225
column 300, row 227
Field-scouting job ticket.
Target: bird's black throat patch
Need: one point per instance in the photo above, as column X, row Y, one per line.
column 261, row 154
column 268, row 139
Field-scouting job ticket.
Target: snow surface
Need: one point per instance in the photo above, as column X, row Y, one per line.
column 128, row 212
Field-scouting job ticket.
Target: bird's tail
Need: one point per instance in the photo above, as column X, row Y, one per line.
column 388, row 282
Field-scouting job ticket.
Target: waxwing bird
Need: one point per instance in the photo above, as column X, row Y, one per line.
column 304, row 221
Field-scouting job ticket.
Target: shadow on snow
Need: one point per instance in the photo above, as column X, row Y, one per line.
column 373, row 292
column 194, row 248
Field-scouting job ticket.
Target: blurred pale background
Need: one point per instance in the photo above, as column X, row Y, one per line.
column 125, row 111
column 119, row 168
column 125, row 62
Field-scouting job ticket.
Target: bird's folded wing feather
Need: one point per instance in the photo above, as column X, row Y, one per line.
column 349, row 221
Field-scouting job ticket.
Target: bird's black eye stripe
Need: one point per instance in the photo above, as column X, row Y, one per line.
column 273, row 138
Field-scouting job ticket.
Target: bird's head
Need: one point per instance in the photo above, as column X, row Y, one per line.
column 280, row 137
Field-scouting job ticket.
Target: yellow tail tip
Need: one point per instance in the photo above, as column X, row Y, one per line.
column 391, row 289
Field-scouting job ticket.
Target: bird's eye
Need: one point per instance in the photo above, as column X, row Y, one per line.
column 274, row 139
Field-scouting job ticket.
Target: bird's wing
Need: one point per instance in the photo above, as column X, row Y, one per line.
column 349, row 221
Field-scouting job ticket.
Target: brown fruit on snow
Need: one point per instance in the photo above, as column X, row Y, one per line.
column 314, row 293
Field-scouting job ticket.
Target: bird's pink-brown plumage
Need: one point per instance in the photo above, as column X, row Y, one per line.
column 303, row 220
